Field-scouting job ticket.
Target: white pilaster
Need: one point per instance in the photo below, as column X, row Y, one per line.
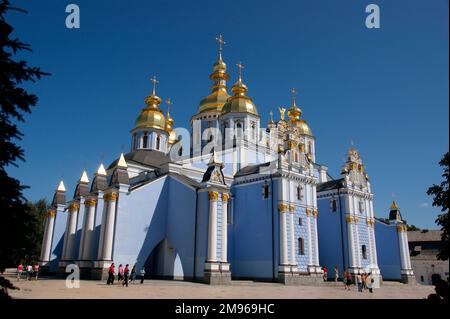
column 89, row 229
column 71, row 230
column 224, row 247
column 47, row 242
column 291, row 220
column 103, row 228
column 109, row 230
column 212, row 229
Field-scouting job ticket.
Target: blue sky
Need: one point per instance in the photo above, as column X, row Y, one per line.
column 386, row 89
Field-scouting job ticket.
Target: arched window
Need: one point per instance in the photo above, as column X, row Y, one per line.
column 158, row 142
column 134, row 141
column 145, row 141
column 253, row 131
column 300, row 221
column 301, row 248
column 310, row 148
column 364, row 251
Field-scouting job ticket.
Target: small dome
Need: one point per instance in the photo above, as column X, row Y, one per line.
column 239, row 102
column 214, row 101
column 151, row 118
column 302, row 127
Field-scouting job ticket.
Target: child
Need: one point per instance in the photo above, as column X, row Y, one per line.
column 142, row 275
column 19, row 271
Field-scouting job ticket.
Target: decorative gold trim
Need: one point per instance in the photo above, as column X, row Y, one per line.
column 73, row 207
column 356, row 219
column 225, row 197
column 401, row 228
column 308, row 212
column 51, row 213
column 213, row 196
column 291, row 209
column 315, row 213
column 90, row 202
column 349, row 219
column 110, row 197
column 282, row 207
column 370, row 222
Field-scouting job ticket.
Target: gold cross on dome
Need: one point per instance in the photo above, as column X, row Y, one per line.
column 154, row 81
column 293, row 93
column 220, row 40
column 240, row 66
column 169, row 103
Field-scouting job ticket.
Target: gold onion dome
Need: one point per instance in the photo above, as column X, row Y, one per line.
column 219, row 94
column 152, row 116
column 294, row 114
column 239, row 103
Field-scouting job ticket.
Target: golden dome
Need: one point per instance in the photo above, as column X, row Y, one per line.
column 302, row 127
column 169, row 119
column 219, row 94
column 151, row 116
column 239, row 103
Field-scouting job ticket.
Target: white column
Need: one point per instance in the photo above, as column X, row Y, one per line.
column 356, row 227
column 101, row 240
column 47, row 243
column 44, row 243
column 109, row 230
column 316, row 235
column 308, row 223
column 212, row 229
column 291, row 220
column 316, row 238
column 225, row 198
column 71, row 230
column 282, row 208
column 374, row 242
column 402, row 247
column 89, row 228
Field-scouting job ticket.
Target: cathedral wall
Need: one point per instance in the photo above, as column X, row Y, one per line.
column 140, row 223
column 201, row 233
column 332, row 235
column 254, row 243
column 388, row 251
column 58, row 240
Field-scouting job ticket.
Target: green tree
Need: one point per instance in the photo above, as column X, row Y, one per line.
column 440, row 199
column 16, row 224
column 412, row 228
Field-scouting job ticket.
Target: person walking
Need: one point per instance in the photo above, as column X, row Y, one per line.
column 363, row 280
column 142, row 275
column 36, row 271
column 126, row 273
column 111, row 272
column 325, row 273
column 29, row 272
column 133, row 275
column 336, row 274
column 359, row 282
column 120, row 274
column 348, row 280
column 19, row 271
column 369, row 282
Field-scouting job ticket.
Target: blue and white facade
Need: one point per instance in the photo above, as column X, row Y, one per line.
column 238, row 202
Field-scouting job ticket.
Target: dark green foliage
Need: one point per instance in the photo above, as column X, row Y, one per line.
column 440, row 199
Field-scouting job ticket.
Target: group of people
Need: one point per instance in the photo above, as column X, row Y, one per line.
column 363, row 281
column 124, row 275
column 31, row 271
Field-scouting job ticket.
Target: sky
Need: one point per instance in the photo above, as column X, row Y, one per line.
column 384, row 89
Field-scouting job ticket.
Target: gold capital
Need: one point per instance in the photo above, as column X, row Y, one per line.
column 73, row 207
column 315, row 213
column 90, row 202
column 51, row 213
column 282, row 207
column 291, row 209
column 225, row 197
column 349, row 219
column 308, row 212
column 213, row 196
column 110, row 197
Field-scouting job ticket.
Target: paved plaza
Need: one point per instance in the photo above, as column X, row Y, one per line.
column 47, row 288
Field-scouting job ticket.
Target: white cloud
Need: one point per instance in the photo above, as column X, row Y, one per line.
column 424, row 205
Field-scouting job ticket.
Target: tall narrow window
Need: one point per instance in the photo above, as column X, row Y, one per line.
column 310, row 148
column 145, row 141
column 265, row 191
column 364, row 251
column 301, row 250
column 333, row 205
column 299, row 192
column 180, row 151
column 158, row 142
column 300, row 221
column 134, row 141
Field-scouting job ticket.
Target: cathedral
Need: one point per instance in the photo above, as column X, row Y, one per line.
column 225, row 200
